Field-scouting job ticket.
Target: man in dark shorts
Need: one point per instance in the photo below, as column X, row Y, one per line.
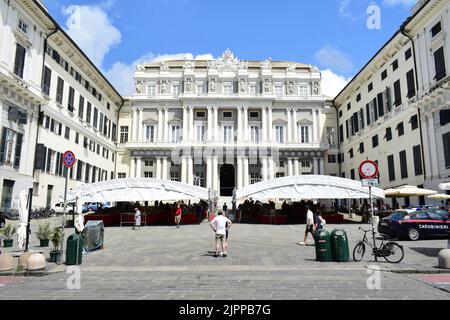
column 309, row 225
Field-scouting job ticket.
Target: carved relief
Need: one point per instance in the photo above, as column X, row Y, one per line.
column 163, row 87
column 291, row 87
column 163, row 67
column 266, row 85
column 316, row 88
column 267, row 64
column 243, row 85
column 139, row 87
column 292, row 68
column 212, row 85
column 189, row 65
column 188, row 85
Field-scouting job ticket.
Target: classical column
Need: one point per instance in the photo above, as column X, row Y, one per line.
column 315, row 125
column 271, row 169
column 184, row 169
column 216, row 125
column 270, row 138
column 239, row 125
column 319, row 126
column 209, row 173
column 165, row 168
column 246, row 181
column 132, row 167
column 264, row 125
column 215, row 174
column 434, row 167
column 134, row 124
column 240, row 173
column 322, row 166
column 296, row 167
column 245, row 126
column 160, row 125
column 315, row 166
column 158, row 169
column 289, row 125
column 295, row 135
column 290, row 168
column 264, row 169
column 190, row 170
column 191, row 124
column 210, row 124
column 140, row 125
column 185, row 124
column 138, row 167
column 166, row 125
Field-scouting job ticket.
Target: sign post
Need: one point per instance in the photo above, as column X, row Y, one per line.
column 369, row 171
column 69, row 162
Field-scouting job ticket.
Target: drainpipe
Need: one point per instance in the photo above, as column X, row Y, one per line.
column 338, row 136
column 117, row 137
column 406, row 34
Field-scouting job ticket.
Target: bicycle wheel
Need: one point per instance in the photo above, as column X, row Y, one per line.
column 396, row 250
column 359, row 251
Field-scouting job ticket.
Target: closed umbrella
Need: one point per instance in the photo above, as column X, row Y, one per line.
column 408, row 191
column 445, row 186
column 23, row 217
column 79, row 221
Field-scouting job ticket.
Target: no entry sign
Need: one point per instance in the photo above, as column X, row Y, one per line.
column 69, row 159
column 368, row 170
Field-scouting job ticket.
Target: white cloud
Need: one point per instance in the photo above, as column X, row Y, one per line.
column 343, row 9
column 331, row 57
column 333, row 83
column 121, row 74
column 92, row 29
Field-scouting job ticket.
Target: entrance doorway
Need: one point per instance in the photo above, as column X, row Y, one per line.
column 227, row 180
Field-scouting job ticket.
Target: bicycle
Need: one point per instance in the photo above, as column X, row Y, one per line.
column 391, row 251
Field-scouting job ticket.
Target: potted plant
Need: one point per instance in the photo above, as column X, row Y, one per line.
column 7, row 234
column 44, row 234
column 55, row 255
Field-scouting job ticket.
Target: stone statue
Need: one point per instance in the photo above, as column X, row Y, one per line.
column 212, row 85
column 188, row 85
column 140, row 67
column 266, row 85
column 242, row 85
column 164, row 67
column 266, row 64
column 163, row 87
column 316, row 88
column 292, row 68
column 139, row 87
column 291, row 87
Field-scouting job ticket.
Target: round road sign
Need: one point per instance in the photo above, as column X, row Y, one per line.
column 368, row 170
column 69, row 159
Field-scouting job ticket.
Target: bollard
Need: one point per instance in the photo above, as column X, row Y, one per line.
column 6, row 262
column 36, row 262
column 444, row 259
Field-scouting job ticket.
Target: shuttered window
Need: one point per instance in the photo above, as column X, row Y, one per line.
column 417, row 153
column 411, row 85
column 397, row 93
column 391, row 168
column 81, row 107
column 403, row 165
column 70, row 103
column 446, row 140
column 60, row 91
column 47, row 80
column 439, row 61
column 19, row 62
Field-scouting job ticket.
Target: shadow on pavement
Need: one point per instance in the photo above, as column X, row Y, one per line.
column 429, row 252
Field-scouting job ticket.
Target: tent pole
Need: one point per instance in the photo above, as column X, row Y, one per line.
column 30, row 201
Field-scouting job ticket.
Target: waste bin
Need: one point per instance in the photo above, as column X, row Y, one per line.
column 323, row 246
column 339, row 246
column 93, row 236
column 74, row 252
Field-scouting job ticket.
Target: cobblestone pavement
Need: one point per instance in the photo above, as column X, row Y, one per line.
column 265, row 262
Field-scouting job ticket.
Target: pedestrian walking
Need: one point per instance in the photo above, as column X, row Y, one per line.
column 220, row 226
column 178, row 214
column 137, row 219
column 319, row 222
column 309, row 225
column 225, row 209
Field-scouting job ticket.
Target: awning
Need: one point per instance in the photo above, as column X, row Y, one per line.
column 309, row 187
column 408, row 191
column 445, row 186
column 141, row 189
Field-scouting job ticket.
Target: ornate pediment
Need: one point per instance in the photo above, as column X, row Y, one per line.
column 150, row 121
column 305, row 122
column 228, row 62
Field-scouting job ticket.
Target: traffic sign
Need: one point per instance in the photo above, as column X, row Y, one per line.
column 370, row 182
column 69, row 159
column 368, row 170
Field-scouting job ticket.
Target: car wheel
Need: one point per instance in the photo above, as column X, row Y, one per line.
column 2, row 225
column 413, row 234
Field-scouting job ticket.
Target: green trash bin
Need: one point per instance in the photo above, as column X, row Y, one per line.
column 339, row 246
column 74, row 251
column 323, row 246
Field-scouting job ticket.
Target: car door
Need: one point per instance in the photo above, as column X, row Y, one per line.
column 421, row 221
column 440, row 227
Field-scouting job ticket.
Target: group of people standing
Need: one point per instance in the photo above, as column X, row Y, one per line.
column 314, row 223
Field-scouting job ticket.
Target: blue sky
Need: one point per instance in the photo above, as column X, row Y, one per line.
column 331, row 34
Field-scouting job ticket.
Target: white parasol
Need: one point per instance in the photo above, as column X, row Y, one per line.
column 23, row 217
column 445, row 186
column 79, row 221
column 440, row 197
column 408, row 191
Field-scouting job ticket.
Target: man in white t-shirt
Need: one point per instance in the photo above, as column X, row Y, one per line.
column 220, row 226
column 309, row 224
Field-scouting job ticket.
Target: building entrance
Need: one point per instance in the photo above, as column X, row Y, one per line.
column 227, row 180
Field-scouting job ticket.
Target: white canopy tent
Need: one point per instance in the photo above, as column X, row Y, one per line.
column 141, row 189
column 445, row 186
column 309, row 187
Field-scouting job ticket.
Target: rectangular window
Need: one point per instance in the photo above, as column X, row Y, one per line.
column 123, row 134
column 228, row 134
column 175, row 134
column 388, row 135
column 201, row 133
column 100, row 124
column 95, row 121
column 114, row 129
column 304, row 134
column 77, row 137
column 70, row 104
column 401, row 129
column 444, row 117
column 67, row 133
column 47, row 79
column 228, row 114
column 408, row 54
column 176, row 90
column 88, row 112
column 414, row 122
column 418, row 168
column 352, row 174
column 411, row 85
column 121, row 175
column 397, row 93
column 341, row 133
column 375, row 141
column 380, row 102
column 60, row 91
column 395, row 65
column 228, row 88
column 351, row 153
column 81, row 107
column 384, row 75
column 436, row 29
column 403, row 165
column 148, row 174
column 439, row 62
column 150, row 133
column 446, row 141
column 391, row 168
column 279, row 134
column 332, row 158
column 358, row 97
column 7, row 194
column 370, row 87
column 19, row 62
column 303, row 91
column 361, row 148
column 254, row 114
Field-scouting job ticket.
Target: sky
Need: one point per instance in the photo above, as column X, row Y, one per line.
column 338, row 36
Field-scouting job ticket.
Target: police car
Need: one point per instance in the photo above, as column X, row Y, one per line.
column 415, row 224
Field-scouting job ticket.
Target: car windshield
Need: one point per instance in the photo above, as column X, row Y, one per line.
column 397, row 215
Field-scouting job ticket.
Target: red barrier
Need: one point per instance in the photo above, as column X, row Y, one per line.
column 277, row 220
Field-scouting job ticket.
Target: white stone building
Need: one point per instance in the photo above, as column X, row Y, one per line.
column 379, row 116
column 431, row 34
column 226, row 123
column 22, row 32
